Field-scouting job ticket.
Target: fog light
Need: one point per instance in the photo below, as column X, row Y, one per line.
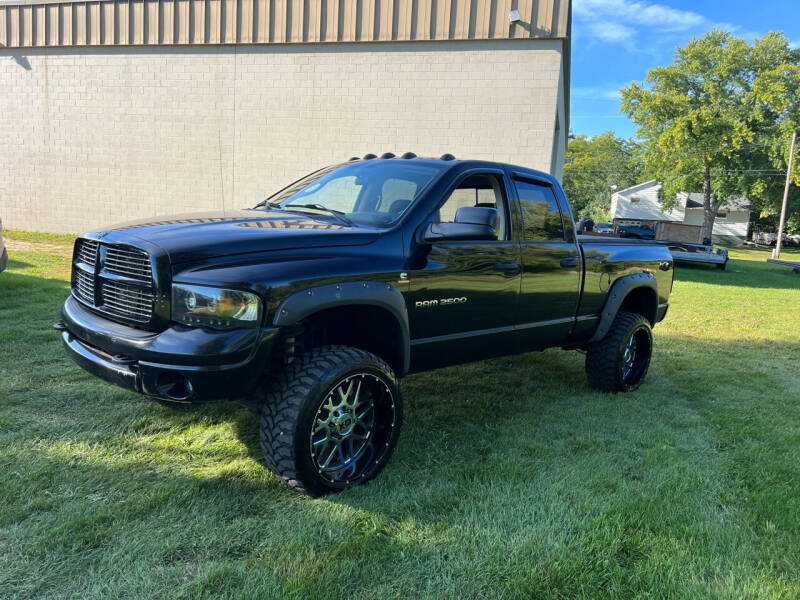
column 174, row 386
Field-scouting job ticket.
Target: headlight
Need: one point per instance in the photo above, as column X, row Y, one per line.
column 200, row 306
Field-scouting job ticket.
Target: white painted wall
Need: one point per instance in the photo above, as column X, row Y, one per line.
column 641, row 203
column 92, row 136
column 735, row 225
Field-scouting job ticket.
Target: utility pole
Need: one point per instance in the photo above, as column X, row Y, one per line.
column 779, row 242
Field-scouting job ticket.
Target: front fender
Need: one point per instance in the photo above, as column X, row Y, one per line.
column 302, row 304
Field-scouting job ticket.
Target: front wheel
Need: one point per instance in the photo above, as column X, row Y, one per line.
column 331, row 420
column 619, row 361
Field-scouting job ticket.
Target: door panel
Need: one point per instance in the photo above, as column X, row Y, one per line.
column 463, row 295
column 551, row 282
column 465, row 291
column 551, row 263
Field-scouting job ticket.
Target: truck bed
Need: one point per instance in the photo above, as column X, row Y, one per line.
column 681, row 252
column 588, row 238
column 606, row 259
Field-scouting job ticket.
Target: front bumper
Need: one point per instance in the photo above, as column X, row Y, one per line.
column 181, row 364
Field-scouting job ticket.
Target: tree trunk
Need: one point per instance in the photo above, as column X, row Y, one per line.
column 709, row 208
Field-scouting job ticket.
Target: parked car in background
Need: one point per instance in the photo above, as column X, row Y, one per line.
column 766, row 238
column 314, row 303
column 638, row 232
column 3, row 251
column 604, row 228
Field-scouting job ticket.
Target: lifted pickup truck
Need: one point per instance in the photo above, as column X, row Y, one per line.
column 314, row 303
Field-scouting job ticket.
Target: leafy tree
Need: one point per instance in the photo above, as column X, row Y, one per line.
column 703, row 123
column 593, row 166
column 776, row 92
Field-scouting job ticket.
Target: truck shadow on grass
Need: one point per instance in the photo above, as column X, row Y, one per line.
column 507, row 422
column 512, row 417
column 14, row 264
column 471, row 395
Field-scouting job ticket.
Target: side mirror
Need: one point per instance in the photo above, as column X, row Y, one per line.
column 472, row 223
column 442, row 232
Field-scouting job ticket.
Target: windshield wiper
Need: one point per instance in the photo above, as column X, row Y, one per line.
column 336, row 213
column 268, row 204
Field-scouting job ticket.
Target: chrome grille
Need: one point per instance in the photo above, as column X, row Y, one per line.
column 128, row 262
column 87, row 252
column 127, row 301
column 83, row 285
column 114, row 280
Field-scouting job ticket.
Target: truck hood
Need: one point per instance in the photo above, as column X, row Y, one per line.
column 198, row 236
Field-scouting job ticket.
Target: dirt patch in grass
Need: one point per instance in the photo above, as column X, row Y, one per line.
column 45, row 247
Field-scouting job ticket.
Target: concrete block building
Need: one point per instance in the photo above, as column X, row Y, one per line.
column 112, row 110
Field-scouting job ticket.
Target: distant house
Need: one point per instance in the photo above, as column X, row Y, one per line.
column 639, row 205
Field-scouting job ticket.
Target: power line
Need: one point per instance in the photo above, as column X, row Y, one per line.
column 765, row 172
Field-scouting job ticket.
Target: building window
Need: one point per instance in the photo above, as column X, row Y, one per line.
column 722, row 215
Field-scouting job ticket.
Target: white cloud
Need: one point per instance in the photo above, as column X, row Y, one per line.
column 596, row 92
column 609, row 31
column 639, row 13
column 622, row 21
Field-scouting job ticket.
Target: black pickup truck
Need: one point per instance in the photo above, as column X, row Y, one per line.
column 312, row 304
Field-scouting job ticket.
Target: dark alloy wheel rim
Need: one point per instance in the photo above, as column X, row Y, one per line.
column 352, row 428
column 635, row 356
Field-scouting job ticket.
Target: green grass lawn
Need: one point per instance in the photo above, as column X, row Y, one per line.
column 512, row 479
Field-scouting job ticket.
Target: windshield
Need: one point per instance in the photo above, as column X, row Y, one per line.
column 376, row 192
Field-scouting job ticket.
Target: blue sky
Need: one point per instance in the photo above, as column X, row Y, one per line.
column 617, row 41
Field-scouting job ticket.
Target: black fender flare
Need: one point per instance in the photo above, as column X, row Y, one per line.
column 616, row 296
column 302, row 304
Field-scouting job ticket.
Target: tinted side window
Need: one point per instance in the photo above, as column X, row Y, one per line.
column 540, row 214
column 477, row 190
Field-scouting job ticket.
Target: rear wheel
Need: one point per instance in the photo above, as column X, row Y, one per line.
column 619, row 361
column 331, row 420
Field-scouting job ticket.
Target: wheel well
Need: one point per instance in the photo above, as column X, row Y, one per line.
column 367, row 327
column 642, row 301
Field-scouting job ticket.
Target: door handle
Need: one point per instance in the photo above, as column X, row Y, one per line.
column 569, row 263
column 506, row 265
